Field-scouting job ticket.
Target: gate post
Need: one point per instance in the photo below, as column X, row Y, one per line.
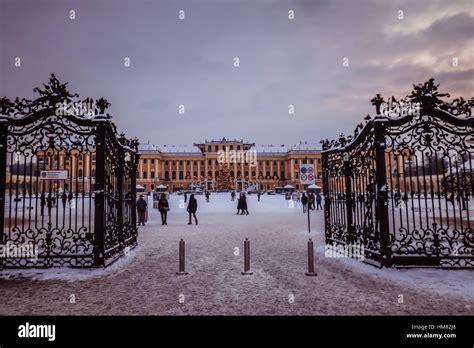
column 119, row 177
column 382, row 192
column 133, row 192
column 348, row 193
column 99, row 219
column 3, row 178
column 327, row 203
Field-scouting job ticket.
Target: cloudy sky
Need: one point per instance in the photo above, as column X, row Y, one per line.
column 283, row 62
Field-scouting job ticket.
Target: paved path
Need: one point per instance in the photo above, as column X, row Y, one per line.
column 145, row 282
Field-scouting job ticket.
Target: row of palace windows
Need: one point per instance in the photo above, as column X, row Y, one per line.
column 180, row 174
column 268, row 186
column 152, row 161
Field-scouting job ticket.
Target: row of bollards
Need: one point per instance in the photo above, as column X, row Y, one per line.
column 247, row 270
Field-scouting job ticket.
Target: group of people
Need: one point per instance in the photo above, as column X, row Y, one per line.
column 309, row 200
column 163, row 208
column 50, row 201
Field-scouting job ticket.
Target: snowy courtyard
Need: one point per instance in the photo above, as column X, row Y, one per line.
column 145, row 281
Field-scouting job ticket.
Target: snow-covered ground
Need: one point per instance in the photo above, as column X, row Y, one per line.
column 145, row 282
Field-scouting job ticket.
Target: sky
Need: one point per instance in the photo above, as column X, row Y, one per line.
column 389, row 46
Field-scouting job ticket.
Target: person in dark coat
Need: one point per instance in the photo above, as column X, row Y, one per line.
column 163, row 207
column 244, row 205
column 318, row 201
column 232, row 196
column 192, row 208
column 141, row 210
column 185, row 197
column 258, row 195
column 304, row 201
column 207, row 196
column 239, row 204
column 50, row 203
column 64, row 199
column 42, row 202
column 311, row 201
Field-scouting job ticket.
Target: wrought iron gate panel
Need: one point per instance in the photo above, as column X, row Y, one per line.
column 402, row 185
column 53, row 219
column 430, row 188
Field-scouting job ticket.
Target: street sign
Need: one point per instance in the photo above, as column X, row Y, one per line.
column 53, row 175
column 307, row 174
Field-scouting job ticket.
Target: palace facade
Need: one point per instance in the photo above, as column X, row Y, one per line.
column 259, row 167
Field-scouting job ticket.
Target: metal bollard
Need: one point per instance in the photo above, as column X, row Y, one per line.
column 247, row 258
column 181, row 258
column 310, row 259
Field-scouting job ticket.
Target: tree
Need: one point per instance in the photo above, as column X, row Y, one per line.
column 223, row 181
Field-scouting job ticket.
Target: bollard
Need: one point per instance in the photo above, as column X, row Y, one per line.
column 247, row 258
column 310, row 259
column 181, row 259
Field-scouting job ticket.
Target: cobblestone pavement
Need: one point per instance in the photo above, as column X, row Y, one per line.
column 145, row 282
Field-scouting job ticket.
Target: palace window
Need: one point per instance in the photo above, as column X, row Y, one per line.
column 152, row 175
column 267, row 174
column 166, row 163
column 209, row 148
column 195, row 173
column 282, row 175
column 246, row 173
column 202, row 174
column 144, row 186
column 274, row 163
column 180, row 175
column 311, row 161
column 152, row 186
column 304, row 161
column 239, row 173
column 152, row 161
column 216, row 148
column 202, row 163
column 231, row 147
column 167, row 175
column 144, row 175
column 180, row 163
column 232, row 173
column 174, row 163
column 173, row 175
column 209, row 162
column 275, row 173
column 187, row 163
column 195, row 163
column 254, row 173
column 209, row 173
column 144, row 161
column 268, row 163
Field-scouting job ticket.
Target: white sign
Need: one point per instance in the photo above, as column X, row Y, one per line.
column 307, row 174
column 53, row 175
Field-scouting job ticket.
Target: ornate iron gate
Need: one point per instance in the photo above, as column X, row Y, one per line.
column 67, row 182
column 401, row 187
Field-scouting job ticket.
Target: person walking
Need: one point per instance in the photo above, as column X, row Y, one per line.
column 49, row 202
column 244, row 205
column 42, row 202
column 311, row 201
column 141, row 210
column 207, row 196
column 192, row 208
column 304, row 202
column 258, row 195
column 185, row 196
column 232, row 196
column 64, row 199
column 318, row 202
column 163, row 207
column 239, row 203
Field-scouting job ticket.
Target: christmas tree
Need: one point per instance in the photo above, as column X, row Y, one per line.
column 223, row 181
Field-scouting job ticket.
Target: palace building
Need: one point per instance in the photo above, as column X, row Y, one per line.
column 250, row 167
